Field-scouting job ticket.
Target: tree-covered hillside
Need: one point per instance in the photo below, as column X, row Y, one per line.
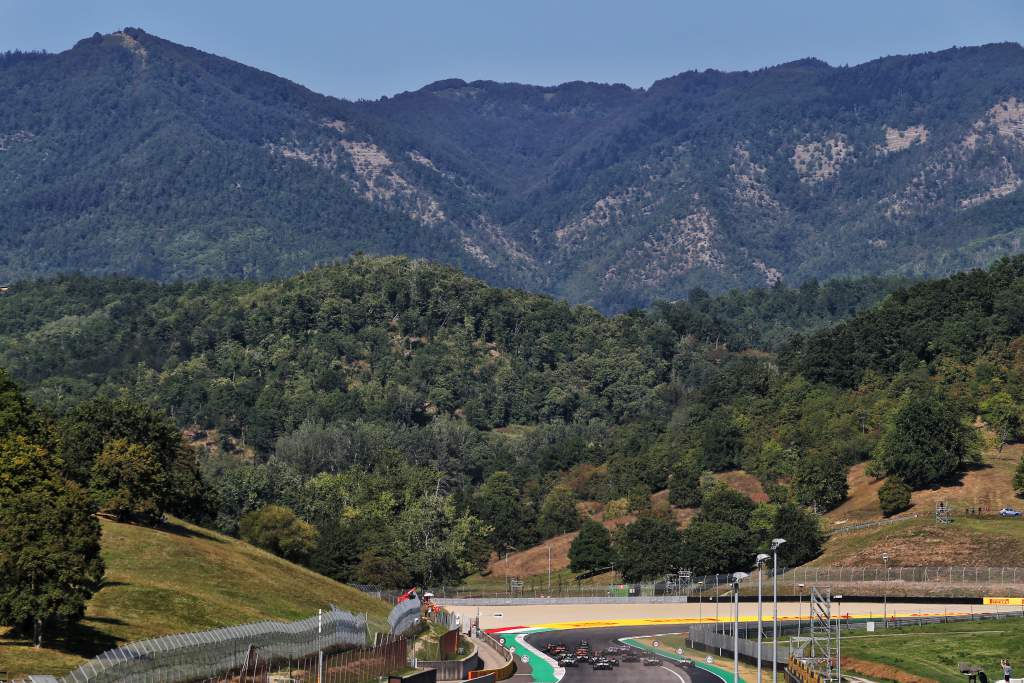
column 130, row 154
column 344, row 413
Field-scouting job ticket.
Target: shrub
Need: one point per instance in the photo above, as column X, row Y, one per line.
column 894, row 496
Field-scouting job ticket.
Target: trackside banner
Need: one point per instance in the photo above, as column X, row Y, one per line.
column 1003, row 601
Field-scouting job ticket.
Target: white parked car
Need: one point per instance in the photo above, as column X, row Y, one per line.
column 1009, row 512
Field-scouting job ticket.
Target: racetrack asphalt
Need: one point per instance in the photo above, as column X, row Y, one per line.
column 626, row 672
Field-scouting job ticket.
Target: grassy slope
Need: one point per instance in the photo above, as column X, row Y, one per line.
column 933, row 651
column 183, row 578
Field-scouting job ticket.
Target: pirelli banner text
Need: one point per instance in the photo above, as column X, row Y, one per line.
column 1004, row 601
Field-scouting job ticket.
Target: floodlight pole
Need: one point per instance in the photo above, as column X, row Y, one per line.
column 700, row 596
column 799, row 610
column 759, row 562
column 319, row 646
column 776, row 542
column 839, row 641
column 885, row 593
column 736, row 578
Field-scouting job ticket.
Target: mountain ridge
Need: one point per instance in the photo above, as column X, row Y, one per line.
column 131, row 154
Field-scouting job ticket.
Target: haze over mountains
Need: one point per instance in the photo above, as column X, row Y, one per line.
column 132, row 154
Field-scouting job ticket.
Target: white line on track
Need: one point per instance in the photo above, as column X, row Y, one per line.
column 676, row 674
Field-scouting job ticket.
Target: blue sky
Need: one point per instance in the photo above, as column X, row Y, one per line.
column 380, row 47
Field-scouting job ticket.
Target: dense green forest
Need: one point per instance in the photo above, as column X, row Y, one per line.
column 129, row 154
column 343, row 416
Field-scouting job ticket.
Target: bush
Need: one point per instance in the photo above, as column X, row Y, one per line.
column 894, row 496
column 616, row 508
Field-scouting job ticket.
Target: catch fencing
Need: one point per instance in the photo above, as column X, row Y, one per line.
column 206, row 654
column 364, row 665
column 404, row 616
column 959, row 581
column 963, row 575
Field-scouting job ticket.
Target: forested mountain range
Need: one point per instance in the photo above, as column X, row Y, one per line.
column 130, row 154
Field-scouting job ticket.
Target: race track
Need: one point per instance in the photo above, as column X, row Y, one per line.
column 602, row 638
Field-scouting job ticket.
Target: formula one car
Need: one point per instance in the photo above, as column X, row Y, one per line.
column 602, row 665
column 685, row 663
column 631, row 657
column 652, row 661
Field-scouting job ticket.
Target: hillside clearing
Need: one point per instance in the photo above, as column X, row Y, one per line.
column 989, row 486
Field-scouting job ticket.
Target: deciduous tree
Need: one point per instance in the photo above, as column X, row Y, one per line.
column 49, row 542
column 592, row 548
column 925, row 441
column 129, row 481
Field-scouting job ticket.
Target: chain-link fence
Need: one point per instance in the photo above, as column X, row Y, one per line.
column 987, row 576
column 363, row 665
column 962, row 581
column 207, row 654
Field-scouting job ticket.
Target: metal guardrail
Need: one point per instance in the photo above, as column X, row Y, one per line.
column 707, row 638
column 504, row 672
column 205, row 654
column 868, row 525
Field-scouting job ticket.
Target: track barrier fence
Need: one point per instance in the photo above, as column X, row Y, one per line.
column 954, row 580
column 333, row 645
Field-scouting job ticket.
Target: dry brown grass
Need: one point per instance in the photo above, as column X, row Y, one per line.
column 882, row 672
column 745, row 483
column 921, row 542
column 989, row 486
